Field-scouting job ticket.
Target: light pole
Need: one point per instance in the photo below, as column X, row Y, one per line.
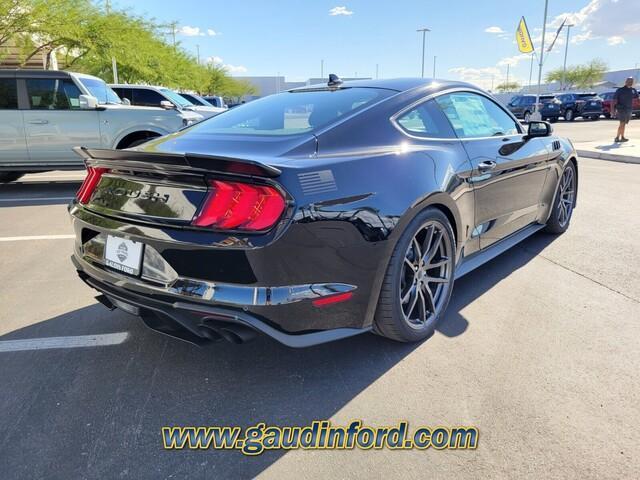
column 566, row 49
column 198, row 53
column 321, row 68
column 506, row 84
column 536, row 112
column 531, row 70
column 434, row 66
column 424, row 41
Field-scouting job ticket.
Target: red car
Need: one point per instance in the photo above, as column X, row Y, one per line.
column 607, row 102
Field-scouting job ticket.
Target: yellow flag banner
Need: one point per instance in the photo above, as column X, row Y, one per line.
column 522, row 37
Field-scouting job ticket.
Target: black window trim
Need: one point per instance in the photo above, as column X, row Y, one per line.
column 394, row 118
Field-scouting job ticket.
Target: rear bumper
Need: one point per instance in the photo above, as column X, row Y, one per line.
column 187, row 278
column 196, row 323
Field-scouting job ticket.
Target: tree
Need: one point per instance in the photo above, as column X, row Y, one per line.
column 508, row 87
column 579, row 76
column 85, row 38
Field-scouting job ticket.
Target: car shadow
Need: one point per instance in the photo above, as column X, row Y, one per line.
column 476, row 283
column 98, row 412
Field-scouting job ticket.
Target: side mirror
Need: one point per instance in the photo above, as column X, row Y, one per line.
column 87, row 102
column 539, row 129
column 167, row 105
column 126, row 101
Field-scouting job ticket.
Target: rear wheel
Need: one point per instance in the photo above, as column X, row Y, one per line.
column 6, row 177
column 564, row 202
column 569, row 115
column 553, row 119
column 419, row 279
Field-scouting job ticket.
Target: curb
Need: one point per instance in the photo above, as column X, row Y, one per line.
column 608, row 156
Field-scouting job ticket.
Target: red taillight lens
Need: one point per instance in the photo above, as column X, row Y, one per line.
column 89, row 184
column 240, row 206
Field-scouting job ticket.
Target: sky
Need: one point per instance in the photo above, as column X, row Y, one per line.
column 471, row 40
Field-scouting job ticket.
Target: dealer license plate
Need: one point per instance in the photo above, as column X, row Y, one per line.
column 123, row 255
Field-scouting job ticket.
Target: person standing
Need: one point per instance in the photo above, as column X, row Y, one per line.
column 622, row 105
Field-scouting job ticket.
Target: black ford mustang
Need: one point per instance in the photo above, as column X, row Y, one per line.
column 318, row 213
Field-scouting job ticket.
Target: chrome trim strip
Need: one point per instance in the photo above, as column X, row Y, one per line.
column 190, row 289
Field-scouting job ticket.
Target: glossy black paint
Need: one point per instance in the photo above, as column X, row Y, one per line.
column 351, row 189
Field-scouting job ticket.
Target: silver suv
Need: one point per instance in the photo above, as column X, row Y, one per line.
column 45, row 113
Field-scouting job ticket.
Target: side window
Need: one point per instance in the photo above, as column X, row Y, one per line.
column 123, row 93
column 8, row 94
column 474, row 116
column 531, row 100
column 426, row 120
column 515, row 101
column 53, row 94
column 146, row 97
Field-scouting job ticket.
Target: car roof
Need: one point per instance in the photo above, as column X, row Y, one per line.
column 397, row 84
column 25, row 72
column 134, row 85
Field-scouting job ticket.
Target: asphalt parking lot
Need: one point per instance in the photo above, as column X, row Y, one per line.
column 539, row 350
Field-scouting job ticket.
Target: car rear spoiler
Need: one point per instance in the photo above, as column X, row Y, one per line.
column 186, row 161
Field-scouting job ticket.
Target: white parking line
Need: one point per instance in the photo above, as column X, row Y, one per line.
column 36, row 237
column 34, row 199
column 63, row 342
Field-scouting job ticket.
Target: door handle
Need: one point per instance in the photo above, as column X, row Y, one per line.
column 487, row 165
column 38, row 122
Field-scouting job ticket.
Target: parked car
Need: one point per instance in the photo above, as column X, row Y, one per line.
column 152, row 96
column 44, row 114
column 216, row 101
column 585, row 105
column 607, row 102
column 205, row 102
column 522, row 106
column 356, row 218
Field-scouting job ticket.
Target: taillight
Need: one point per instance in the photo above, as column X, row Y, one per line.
column 240, row 206
column 90, row 183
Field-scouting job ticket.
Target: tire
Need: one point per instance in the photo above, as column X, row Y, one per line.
column 426, row 301
column 6, row 177
column 595, row 117
column 569, row 115
column 607, row 115
column 553, row 119
column 526, row 118
column 564, row 202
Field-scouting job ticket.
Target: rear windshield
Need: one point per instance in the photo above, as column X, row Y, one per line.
column 587, row 95
column 292, row 112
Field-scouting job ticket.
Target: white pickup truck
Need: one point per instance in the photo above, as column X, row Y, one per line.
column 45, row 113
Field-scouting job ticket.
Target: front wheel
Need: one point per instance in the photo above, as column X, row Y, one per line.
column 564, row 202
column 569, row 115
column 419, row 279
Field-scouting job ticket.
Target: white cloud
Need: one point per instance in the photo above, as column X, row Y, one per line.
column 616, row 40
column 188, row 31
column 212, row 33
column 340, row 11
column 610, row 19
column 232, row 69
column 494, row 30
column 235, row 69
column 515, row 60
